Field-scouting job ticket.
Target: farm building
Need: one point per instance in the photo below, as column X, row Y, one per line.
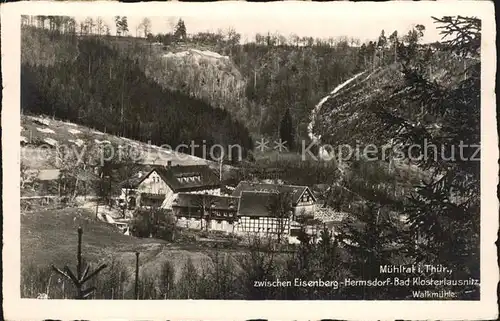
column 160, row 185
column 198, row 210
column 260, row 212
column 302, row 199
column 56, row 182
column 252, row 212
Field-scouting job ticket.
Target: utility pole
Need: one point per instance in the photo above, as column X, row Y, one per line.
column 220, row 169
column 136, row 289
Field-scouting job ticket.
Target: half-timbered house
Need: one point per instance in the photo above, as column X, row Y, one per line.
column 201, row 211
column 257, row 214
column 302, row 199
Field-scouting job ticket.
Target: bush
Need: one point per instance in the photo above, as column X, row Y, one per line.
column 154, row 222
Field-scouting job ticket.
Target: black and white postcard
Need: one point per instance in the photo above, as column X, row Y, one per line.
column 233, row 160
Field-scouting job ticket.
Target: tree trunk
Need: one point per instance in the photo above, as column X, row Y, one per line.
column 76, row 189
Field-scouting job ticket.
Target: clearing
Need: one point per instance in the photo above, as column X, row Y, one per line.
column 49, row 236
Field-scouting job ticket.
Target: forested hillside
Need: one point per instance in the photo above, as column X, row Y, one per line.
column 423, row 112
column 256, row 81
column 87, row 82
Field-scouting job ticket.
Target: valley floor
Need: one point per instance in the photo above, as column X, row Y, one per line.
column 49, row 236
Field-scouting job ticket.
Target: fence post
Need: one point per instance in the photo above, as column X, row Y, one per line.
column 79, row 261
column 136, row 275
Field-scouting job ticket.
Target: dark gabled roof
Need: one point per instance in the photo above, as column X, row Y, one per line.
column 185, row 178
column 257, row 203
column 294, row 191
column 133, row 181
column 189, row 200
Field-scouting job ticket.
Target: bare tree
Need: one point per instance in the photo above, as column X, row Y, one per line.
column 89, row 22
column 281, row 208
column 28, row 178
column 171, row 23
column 204, row 201
column 138, row 30
column 24, row 20
column 100, row 26
column 76, row 163
column 146, row 26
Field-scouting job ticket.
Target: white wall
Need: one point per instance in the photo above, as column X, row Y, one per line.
column 263, row 225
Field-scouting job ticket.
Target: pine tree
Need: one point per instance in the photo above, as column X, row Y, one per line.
column 381, row 45
column 443, row 212
column 180, row 30
column 117, row 25
column 393, row 38
column 121, row 24
column 371, row 236
column 286, row 130
column 124, row 25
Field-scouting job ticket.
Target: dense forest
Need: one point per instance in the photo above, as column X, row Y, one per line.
column 276, row 74
column 258, row 81
column 105, row 90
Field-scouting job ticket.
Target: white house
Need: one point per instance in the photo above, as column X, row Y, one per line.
column 160, row 186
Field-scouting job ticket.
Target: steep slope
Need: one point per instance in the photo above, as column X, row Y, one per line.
column 351, row 115
column 40, row 136
column 94, row 85
column 353, row 120
column 256, row 83
column 200, row 73
column 194, row 69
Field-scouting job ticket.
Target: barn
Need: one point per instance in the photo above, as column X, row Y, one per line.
column 301, row 198
column 259, row 213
